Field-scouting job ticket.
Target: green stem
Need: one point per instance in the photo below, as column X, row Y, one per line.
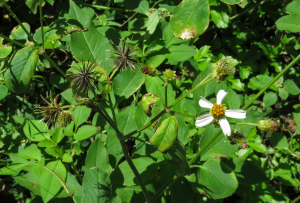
column 113, row 73
column 73, row 106
column 12, row 41
column 272, row 81
column 161, row 190
column 145, row 126
column 105, row 7
column 20, row 23
column 204, row 147
column 112, row 109
column 161, row 78
column 296, row 200
column 136, row 101
column 205, row 81
column 41, row 23
column 166, row 95
column 252, row 124
column 134, row 170
column 183, row 114
column 54, row 64
column 41, row 77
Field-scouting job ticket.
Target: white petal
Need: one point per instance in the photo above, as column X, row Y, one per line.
column 225, row 126
column 204, row 120
column 220, row 96
column 236, row 113
column 205, row 103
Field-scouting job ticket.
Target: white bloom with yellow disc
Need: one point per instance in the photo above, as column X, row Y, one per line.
column 219, row 112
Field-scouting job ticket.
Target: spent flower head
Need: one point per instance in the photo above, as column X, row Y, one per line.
column 218, row 112
column 170, row 75
column 124, row 56
column 64, row 118
column 265, row 124
column 222, row 69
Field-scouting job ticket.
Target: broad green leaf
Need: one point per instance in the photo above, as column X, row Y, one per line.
column 13, row 168
column 85, row 132
column 131, row 194
column 97, row 156
column 259, row 147
column 178, row 154
column 33, row 4
column 58, row 134
column 152, row 22
column 155, row 61
column 181, row 52
column 283, row 93
column 91, row 44
column 72, row 185
column 260, row 81
column 283, row 172
column 183, row 130
column 182, row 191
column 96, row 186
column 290, row 23
column 246, row 172
column 166, row 134
column 155, row 85
column 81, row 115
column 220, row 17
column 30, row 182
column 18, row 32
column 236, row 84
column 50, row 183
column 127, row 82
column 5, row 50
column 279, row 141
column 46, row 143
column 291, row 87
column 231, row 2
column 67, row 158
column 220, row 147
column 138, row 6
column 123, row 175
column 3, row 91
column 36, row 130
column 218, row 178
column 202, row 52
column 21, row 69
column 168, row 35
column 270, row 98
column 59, row 81
column 31, row 152
column 187, row 106
column 293, row 7
column 190, row 18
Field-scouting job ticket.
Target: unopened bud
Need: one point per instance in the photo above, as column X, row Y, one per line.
column 148, row 101
column 170, row 75
column 265, row 124
column 149, row 70
column 222, row 69
column 64, row 118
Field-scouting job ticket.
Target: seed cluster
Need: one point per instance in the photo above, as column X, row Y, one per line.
column 217, row 111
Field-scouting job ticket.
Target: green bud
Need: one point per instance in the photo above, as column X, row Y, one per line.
column 64, row 118
column 222, row 69
column 148, row 101
column 170, row 75
column 265, row 124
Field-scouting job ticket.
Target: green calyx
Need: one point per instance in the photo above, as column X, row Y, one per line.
column 265, row 124
column 148, row 100
column 222, row 69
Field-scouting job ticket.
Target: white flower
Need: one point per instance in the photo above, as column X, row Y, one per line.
column 217, row 111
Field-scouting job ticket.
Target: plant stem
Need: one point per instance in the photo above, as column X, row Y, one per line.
column 296, row 200
column 161, row 190
column 136, row 101
column 12, row 41
column 54, row 64
column 183, row 114
column 105, row 7
column 166, row 95
column 134, row 170
column 78, row 104
column 41, row 23
column 145, row 126
column 272, row 81
column 20, row 23
column 113, row 73
column 41, row 77
column 253, row 124
column 205, row 81
column 204, row 147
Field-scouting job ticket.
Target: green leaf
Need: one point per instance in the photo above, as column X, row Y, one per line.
column 291, row 87
column 236, row 84
column 231, row 2
column 168, row 35
column 33, row 4
column 152, row 22
column 97, row 156
column 123, row 175
column 155, row 61
column 283, row 93
column 293, row 7
column 36, row 130
column 218, row 178
column 85, row 132
column 270, row 98
column 96, row 186
column 81, row 115
column 51, row 184
column 133, row 193
column 5, row 50
column 21, row 69
column 178, row 154
column 13, row 168
column 127, row 82
column 246, row 172
column 30, row 182
column 59, row 81
column 190, row 18
column 67, row 158
column 166, row 134
column 218, row 148
column 290, row 23
column 220, row 17
column 72, row 185
column 3, row 91
column 31, row 152
column 259, row 147
column 58, row 134
column 260, row 81
column 46, row 143
column 181, row 52
column 182, row 191
column 279, row 141
column 18, row 32
column 91, row 44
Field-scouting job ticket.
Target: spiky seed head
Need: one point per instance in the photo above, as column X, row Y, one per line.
column 64, row 118
column 222, row 69
column 265, row 124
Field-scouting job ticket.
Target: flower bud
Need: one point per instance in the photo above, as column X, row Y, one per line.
column 265, row 124
column 222, row 69
column 149, row 70
column 64, row 118
column 147, row 102
column 170, row 75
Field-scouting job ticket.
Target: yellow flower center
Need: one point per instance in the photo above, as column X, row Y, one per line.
column 218, row 110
